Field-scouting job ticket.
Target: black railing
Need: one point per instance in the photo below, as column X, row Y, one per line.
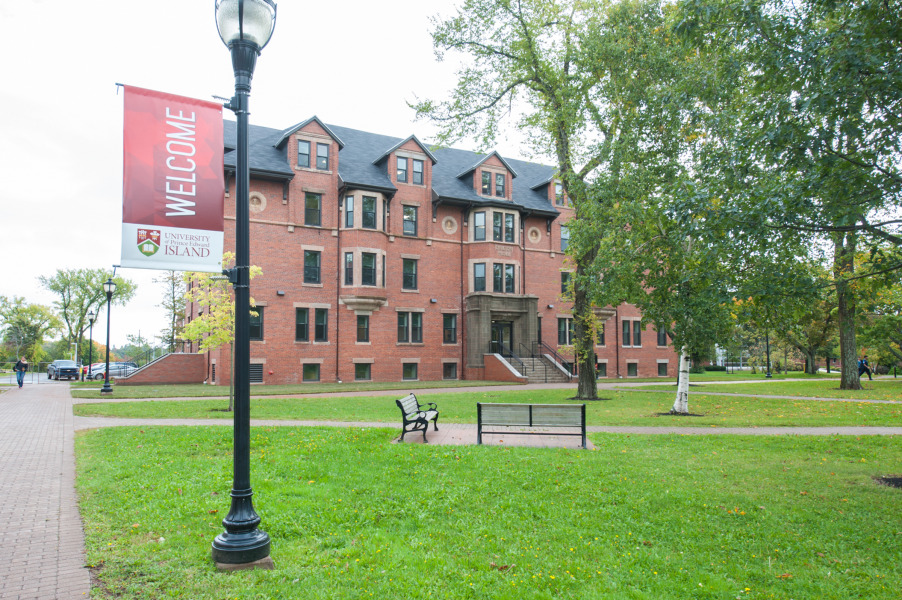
column 506, row 352
column 543, row 348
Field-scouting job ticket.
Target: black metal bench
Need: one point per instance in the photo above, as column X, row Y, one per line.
column 515, row 417
column 417, row 415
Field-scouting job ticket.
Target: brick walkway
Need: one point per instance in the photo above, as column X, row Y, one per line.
column 44, row 554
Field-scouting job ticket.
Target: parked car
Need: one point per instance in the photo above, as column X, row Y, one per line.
column 62, row 368
column 117, row 369
column 91, row 370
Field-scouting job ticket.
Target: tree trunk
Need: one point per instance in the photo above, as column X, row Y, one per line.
column 844, row 266
column 584, row 344
column 681, row 404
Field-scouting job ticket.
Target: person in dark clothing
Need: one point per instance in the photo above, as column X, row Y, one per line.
column 20, row 369
column 864, row 367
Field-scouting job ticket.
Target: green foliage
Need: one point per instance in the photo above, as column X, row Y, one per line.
column 214, row 326
column 173, row 303
column 24, row 327
column 80, row 291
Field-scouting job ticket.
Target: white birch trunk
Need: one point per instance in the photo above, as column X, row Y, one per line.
column 681, row 404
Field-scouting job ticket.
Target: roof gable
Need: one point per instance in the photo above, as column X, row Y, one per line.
column 294, row 129
column 484, row 159
column 412, row 138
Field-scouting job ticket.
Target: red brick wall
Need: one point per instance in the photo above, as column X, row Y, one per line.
column 172, row 368
column 495, row 370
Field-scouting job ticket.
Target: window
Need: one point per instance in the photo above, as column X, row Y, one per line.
column 509, row 279
column 565, row 237
column 362, row 372
column 322, row 157
column 363, row 328
column 349, row 211
column 565, row 282
column 662, row 337
column 409, row 371
column 410, row 220
column 402, row 169
column 498, row 278
column 304, row 154
column 410, row 328
column 312, row 212
column 632, row 369
column 349, row 268
column 559, row 194
column 601, row 335
column 601, row 370
column 301, row 324
column 479, row 277
column 637, row 333
column 499, row 185
column 449, row 371
column 626, row 334
column 311, row 266
column 417, row 171
column 486, row 183
column 321, row 325
column 369, row 212
column 367, row 268
column 409, row 281
column 662, row 369
column 564, row 332
column 508, row 228
column 479, row 226
column 497, row 226
column 256, row 323
column 311, row 372
column 449, row 329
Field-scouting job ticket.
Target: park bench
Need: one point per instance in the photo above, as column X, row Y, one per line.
column 416, row 415
column 514, row 418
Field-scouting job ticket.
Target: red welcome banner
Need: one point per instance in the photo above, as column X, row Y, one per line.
column 173, row 190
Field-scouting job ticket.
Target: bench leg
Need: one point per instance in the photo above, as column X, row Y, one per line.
column 425, row 429
column 434, row 423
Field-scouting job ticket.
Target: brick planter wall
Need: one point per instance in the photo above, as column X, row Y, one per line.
column 172, row 368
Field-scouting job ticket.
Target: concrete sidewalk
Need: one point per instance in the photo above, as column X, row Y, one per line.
column 44, row 556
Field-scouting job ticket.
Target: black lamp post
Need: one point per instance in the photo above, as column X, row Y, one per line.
column 767, row 346
column 245, row 27
column 109, row 288
column 91, row 317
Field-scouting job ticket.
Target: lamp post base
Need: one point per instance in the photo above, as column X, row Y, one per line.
column 246, row 550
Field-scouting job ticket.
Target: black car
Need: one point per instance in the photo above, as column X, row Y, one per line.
column 59, row 369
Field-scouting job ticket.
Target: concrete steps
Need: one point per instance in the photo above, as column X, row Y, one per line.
column 542, row 370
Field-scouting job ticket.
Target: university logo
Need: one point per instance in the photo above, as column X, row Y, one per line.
column 148, row 242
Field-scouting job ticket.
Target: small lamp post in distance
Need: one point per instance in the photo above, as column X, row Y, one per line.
column 91, row 316
column 109, row 288
column 245, row 27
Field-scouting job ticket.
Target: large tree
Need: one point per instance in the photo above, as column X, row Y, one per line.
column 810, row 134
column 25, row 325
column 568, row 73
column 80, row 291
column 173, row 303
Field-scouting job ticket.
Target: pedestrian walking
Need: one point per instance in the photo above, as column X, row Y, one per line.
column 20, row 369
column 864, row 367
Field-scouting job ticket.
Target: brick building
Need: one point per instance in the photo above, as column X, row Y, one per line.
column 384, row 260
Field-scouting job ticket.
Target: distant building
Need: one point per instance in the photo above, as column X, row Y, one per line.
column 383, row 260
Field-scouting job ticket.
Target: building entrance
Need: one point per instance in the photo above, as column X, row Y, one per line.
column 502, row 337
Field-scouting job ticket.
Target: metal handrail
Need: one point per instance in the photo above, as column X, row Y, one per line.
column 531, row 352
column 563, row 362
column 507, row 353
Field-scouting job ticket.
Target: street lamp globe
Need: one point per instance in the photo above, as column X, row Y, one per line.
column 91, row 316
column 246, row 20
column 109, row 288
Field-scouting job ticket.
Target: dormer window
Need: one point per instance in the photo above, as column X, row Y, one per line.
column 417, row 171
column 304, row 154
column 402, row 169
column 322, row 157
column 499, row 185
column 486, row 183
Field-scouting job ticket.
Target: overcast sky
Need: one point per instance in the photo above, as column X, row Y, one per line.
column 353, row 63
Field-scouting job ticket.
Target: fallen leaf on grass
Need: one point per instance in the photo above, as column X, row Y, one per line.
column 785, row 576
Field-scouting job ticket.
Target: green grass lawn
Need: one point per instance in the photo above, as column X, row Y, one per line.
column 619, row 408
column 879, row 389
column 353, row 516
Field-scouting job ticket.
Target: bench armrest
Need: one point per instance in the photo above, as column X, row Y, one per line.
column 428, row 406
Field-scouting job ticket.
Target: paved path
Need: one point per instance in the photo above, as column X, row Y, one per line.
column 43, row 552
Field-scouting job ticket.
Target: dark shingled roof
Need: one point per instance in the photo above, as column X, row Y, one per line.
column 267, row 153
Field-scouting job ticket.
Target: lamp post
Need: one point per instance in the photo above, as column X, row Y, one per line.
column 245, row 27
column 767, row 346
column 109, row 288
column 91, row 317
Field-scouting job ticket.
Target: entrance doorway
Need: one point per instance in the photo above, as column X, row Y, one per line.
column 502, row 337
